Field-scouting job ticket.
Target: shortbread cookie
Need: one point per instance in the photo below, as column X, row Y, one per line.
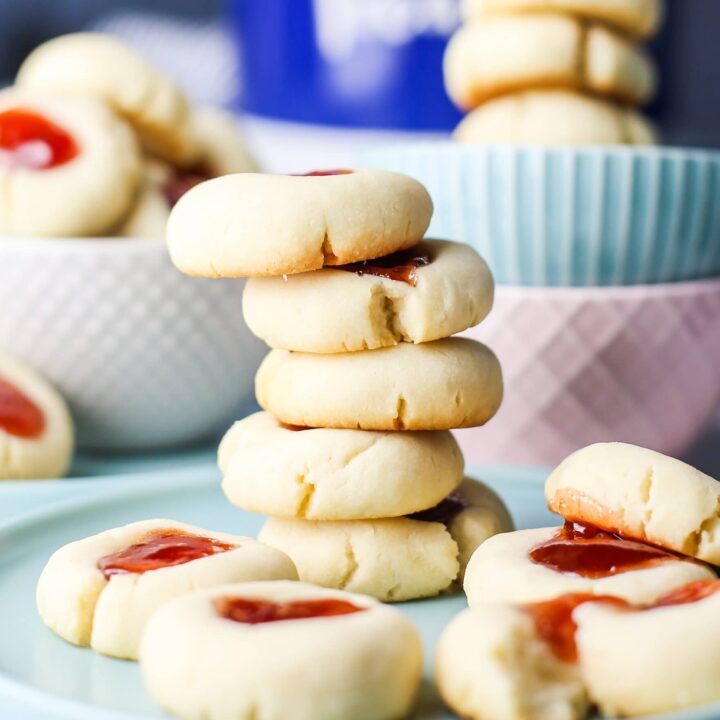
column 552, row 659
column 554, row 117
column 432, row 291
column 222, row 152
column 102, row 67
column 392, row 559
column 451, row 383
column 536, row 565
column 504, row 54
column 36, row 430
column 281, row 650
column 320, row 474
column 397, row 558
column 655, row 661
column 101, row 590
column 149, row 214
column 640, row 494
column 472, row 513
column 222, row 146
column 640, row 18
column 68, row 166
column 492, row 665
column 260, row 225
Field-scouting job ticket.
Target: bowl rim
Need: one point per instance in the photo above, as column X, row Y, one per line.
column 645, row 291
column 90, row 244
column 649, row 152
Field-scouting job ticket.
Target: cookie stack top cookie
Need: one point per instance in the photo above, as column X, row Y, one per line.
column 553, row 71
column 358, row 309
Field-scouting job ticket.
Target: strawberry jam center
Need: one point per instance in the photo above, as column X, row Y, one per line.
column 32, row 142
column 159, row 549
column 401, row 266
column 253, row 611
column 555, row 625
column 592, row 553
column 19, row 415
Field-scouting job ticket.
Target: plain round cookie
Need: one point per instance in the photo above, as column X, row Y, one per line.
column 334, row 311
column 391, row 559
column 320, row 474
column 505, row 54
column 77, row 603
column 491, row 665
column 102, row 67
column 364, row 664
column 63, row 195
column 656, row 661
column 24, row 455
column 640, row 18
column 264, row 225
column 500, row 571
column 642, row 494
column 554, row 117
column 439, row 385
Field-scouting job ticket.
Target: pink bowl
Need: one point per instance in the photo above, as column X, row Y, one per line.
column 638, row 364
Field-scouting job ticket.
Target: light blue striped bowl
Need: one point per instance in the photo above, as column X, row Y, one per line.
column 571, row 215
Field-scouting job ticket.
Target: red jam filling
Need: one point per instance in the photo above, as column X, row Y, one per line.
column 444, row 512
column 401, row 266
column 30, row 141
column 19, row 415
column 159, row 549
column 592, row 553
column 183, row 180
column 690, row 593
column 253, row 611
column 294, row 428
column 555, row 625
column 326, row 173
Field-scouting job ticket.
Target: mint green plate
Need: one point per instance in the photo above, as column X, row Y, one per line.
column 43, row 678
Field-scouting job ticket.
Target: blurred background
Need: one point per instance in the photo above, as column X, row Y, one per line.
column 372, row 65
column 316, row 81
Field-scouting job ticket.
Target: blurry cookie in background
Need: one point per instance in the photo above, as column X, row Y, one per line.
column 96, row 65
column 503, row 54
column 36, row 430
column 554, row 117
column 70, row 166
column 222, row 152
column 637, row 18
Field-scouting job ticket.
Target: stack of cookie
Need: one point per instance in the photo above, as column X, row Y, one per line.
column 553, row 72
column 358, row 310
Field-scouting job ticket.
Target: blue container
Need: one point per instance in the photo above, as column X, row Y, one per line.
column 572, row 216
column 352, row 63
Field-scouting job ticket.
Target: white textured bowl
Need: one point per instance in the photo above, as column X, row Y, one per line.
column 145, row 356
column 582, row 365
